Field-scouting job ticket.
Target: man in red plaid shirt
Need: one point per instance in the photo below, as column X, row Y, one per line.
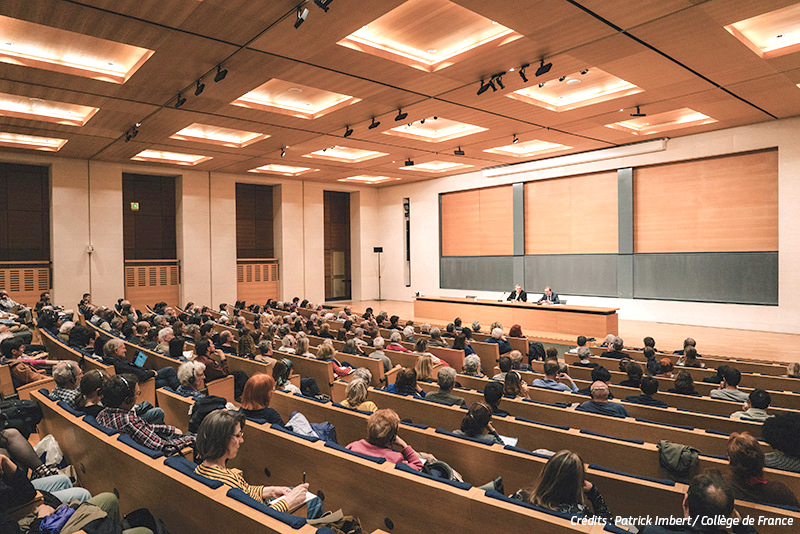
column 119, row 397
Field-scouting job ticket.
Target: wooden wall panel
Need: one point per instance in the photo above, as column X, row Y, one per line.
column 150, row 232
column 24, row 213
column 254, row 222
column 478, row 222
column 711, row 205
column 575, row 215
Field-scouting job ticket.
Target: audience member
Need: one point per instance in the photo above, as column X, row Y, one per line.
column 562, row 487
column 649, row 388
column 616, row 349
column 585, row 353
column 405, row 383
column 601, row 374
column 477, row 424
column 395, row 342
column 755, row 407
column 729, row 388
column 635, row 373
column 500, row 340
column 651, row 364
column 356, row 393
column 505, row 366
column 382, row 427
column 581, row 341
column 91, row 392
column 203, row 350
column 689, row 359
column 781, row 433
column 472, row 366
column 600, row 404
column 717, row 378
column 193, row 380
column 665, row 368
column 67, row 376
column 462, row 342
column 514, row 386
column 22, row 372
column 325, row 353
column 256, row 398
column 746, row 473
column 684, row 384
column 688, row 342
column 552, row 377
column 446, row 378
column 114, row 353
column 493, row 394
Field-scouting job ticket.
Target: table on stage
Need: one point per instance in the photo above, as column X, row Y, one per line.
column 559, row 318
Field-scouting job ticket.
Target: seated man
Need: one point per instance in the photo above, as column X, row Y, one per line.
column 708, row 498
column 67, row 375
column 600, row 404
column 505, row 366
column 114, row 353
column 688, row 342
column 551, row 377
column 119, row 396
column 584, row 353
column 516, row 361
column 600, row 374
column 226, row 339
column 649, row 388
column 581, row 343
column 500, row 340
column 193, row 380
column 616, row 349
column 165, row 335
column 729, row 388
column 394, row 344
column 549, row 297
column 8, row 305
column 446, row 378
column 518, row 294
column 755, row 407
column 493, row 394
column 436, row 339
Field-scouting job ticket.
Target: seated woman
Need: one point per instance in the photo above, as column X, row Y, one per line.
column 747, row 473
column 562, row 487
column 462, row 342
column 302, row 347
column 325, row 353
column 684, row 384
column 478, row 424
column 218, row 440
column 665, row 368
column 382, row 435
column 351, row 347
column 91, row 392
column 280, row 372
column 246, row 347
column 119, row 396
column 635, row 373
column 472, row 366
column 424, row 367
column 493, row 394
column 356, row 393
column 22, row 371
column 405, row 383
column 781, row 433
column 514, row 386
column 193, row 380
column 256, row 397
column 515, row 331
column 689, row 359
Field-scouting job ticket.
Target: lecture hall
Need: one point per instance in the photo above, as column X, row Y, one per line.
column 399, row 266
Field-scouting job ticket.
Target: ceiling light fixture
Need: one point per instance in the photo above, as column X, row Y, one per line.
column 499, row 79
column 374, row 124
column 522, row 73
column 584, row 71
column 324, row 5
column 348, row 131
column 283, row 152
column 638, row 113
column 409, row 162
column 541, row 84
column 199, row 88
column 180, row 101
column 458, row 152
column 400, row 115
column 221, row 73
column 562, row 78
column 515, row 140
column 485, row 86
column 543, row 69
column 302, row 13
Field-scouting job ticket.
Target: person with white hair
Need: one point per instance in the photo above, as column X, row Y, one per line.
column 165, row 335
column 287, row 344
column 472, row 366
column 378, row 353
column 500, row 340
column 67, row 375
column 476, row 326
column 64, row 329
column 446, row 378
column 408, row 334
column 436, row 339
column 193, row 380
column 394, row 344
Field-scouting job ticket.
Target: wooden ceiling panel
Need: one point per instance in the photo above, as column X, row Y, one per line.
column 776, row 94
column 626, row 18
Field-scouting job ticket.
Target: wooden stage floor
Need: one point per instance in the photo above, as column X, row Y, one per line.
column 719, row 341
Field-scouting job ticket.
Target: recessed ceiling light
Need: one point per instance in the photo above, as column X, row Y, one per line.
column 206, row 133
column 436, row 41
column 33, row 142
column 437, row 166
column 596, row 86
column 770, row 34
column 573, row 81
column 527, row 148
column 435, row 131
column 176, row 158
column 366, row 179
column 283, row 170
column 57, row 50
column 662, row 122
column 344, row 154
column 23, row 107
column 278, row 96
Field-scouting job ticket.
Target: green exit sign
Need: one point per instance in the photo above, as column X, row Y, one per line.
column 134, row 206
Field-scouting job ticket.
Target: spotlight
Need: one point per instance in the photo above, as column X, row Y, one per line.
column 584, row 71
column 499, row 79
column 541, row 85
column 283, row 152
column 436, row 118
column 374, row 124
column 543, row 69
column 458, row 152
column 324, row 5
column 348, row 132
column 484, row 87
column 301, row 17
column 522, row 73
column 199, row 88
column 128, row 136
column 422, row 121
column 638, row 113
column 515, row 140
column 134, row 132
column 181, row 101
column 409, row 163
column 221, row 73
column 562, row 78
column 400, row 115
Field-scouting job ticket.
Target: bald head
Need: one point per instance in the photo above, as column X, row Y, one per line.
column 599, row 391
